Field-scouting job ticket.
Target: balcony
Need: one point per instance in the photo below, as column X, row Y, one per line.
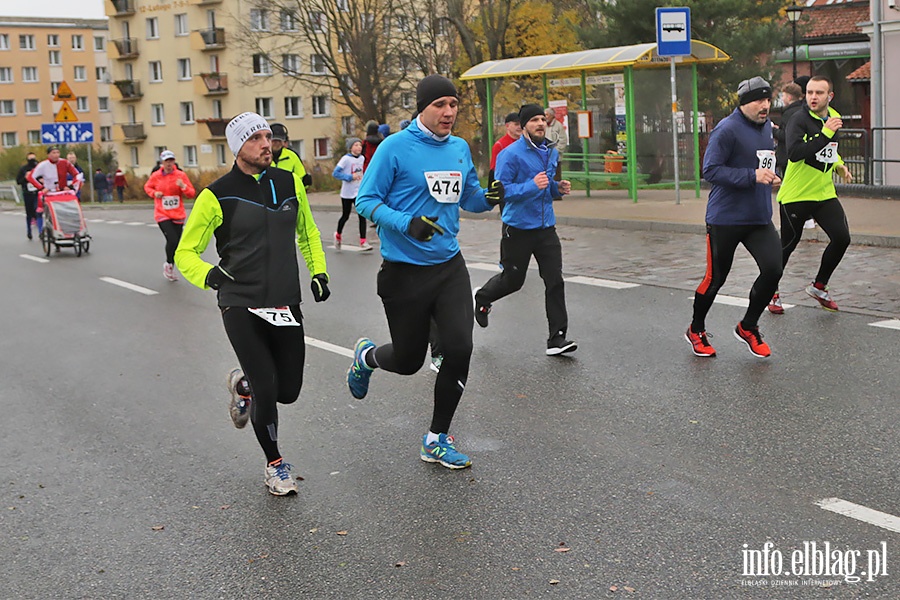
column 212, row 84
column 208, row 39
column 130, row 89
column 214, row 127
column 126, row 48
column 123, row 8
column 133, row 133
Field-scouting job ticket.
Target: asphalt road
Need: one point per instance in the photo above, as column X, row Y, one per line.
column 630, row 469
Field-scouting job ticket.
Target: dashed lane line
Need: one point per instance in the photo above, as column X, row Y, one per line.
column 36, row 259
column 597, row 282
column 329, row 347
column 484, row 266
column 129, row 286
column 889, row 324
column 735, row 301
column 345, row 248
column 133, row 223
column 114, row 222
column 861, row 513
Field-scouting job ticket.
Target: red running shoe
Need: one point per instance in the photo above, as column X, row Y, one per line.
column 699, row 343
column 753, row 339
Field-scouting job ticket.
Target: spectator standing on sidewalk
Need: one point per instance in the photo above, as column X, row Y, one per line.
column 740, row 165
column 101, row 186
column 120, row 183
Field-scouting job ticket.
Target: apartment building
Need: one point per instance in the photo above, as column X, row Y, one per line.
column 180, row 74
column 36, row 56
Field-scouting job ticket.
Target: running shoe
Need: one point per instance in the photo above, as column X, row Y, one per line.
column 279, row 479
column 239, row 405
column 775, row 306
column 364, row 246
column 436, row 361
column 169, row 271
column 753, row 339
column 481, row 310
column 337, row 241
column 359, row 372
column 560, row 345
column 821, row 294
column 699, row 343
column 444, row 451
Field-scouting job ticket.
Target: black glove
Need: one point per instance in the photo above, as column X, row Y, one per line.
column 307, row 180
column 319, row 285
column 217, row 276
column 424, row 228
column 495, row 193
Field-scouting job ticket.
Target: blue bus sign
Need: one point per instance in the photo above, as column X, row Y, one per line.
column 673, row 31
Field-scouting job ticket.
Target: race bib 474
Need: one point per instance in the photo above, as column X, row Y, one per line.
column 444, row 186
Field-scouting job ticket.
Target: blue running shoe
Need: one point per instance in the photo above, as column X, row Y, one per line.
column 444, row 451
column 359, row 372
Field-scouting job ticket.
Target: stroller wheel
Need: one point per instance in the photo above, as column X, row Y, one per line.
column 46, row 240
column 86, row 245
column 77, row 246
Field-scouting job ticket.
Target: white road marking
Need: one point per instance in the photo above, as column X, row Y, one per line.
column 133, row 223
column 861, row 513
column 95, row 220
column 345, row 248
column 890, row 324
column 607, row 283
column 114, row 222
column 129, row 286
column 153, row 225
column 36, row 259
column 742, row 302
column 329, row 347
column 484, row 266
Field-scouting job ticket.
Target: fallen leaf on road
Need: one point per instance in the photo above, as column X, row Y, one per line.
column 314, row 529
column 158, row 527
column 613, row 588
column 630, row 590
column 225, row 507
column 554, row 581
column 342, row 532
column 561, row 549
column 401, row 563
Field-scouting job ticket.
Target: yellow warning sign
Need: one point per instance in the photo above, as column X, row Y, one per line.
column 64, row 92
column 65, row 114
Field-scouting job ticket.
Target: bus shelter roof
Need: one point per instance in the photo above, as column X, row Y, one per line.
column 615, row 59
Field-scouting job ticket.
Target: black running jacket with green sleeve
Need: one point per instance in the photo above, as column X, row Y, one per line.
column 256, row 220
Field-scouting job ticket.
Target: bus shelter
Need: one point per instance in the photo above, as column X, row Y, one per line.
column 621, row 59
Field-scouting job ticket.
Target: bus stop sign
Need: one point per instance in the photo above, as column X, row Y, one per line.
column 673, row 31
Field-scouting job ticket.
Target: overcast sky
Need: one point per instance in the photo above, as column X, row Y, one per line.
column 90, row 9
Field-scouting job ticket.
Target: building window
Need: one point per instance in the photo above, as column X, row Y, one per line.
column 190, row 156
column 259, row 19
column 158, row 114
column 289, row 21
column 290, row 64
column 99, row 43
column 406, row 100
column 346, row 85
column 322, row 147
column 103, row 103
column 6, row 75
column 347, row 126
column 153, row 28
column 34, row 136
column 386, row 24
column 261, row 65
column 129, row 71
column 317, row 64
column 293, row 107
column 220, row 155
column 7, row 108
column 156, row 71
column 343, row 5
column 264, row 107
column 217, row 109
column 54, row 58
column 134, row 157
column 54, row 87
column 80, row 73
column 441, row 26
column 4, row 41
column 77, row 42
column 101, row 74
column 402, row 23
column 320, row 106
column 105, row 133
column 10, row 139
column 52, row 40
column 32, row 106
column 297, row 146
column 317, row 21
column 187, row 112
column 81, row 104
column 26, row 42
column 184, row 69
column 181, row 24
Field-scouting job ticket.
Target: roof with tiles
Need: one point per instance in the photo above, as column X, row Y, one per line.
column 864, row 73
column 834, row 20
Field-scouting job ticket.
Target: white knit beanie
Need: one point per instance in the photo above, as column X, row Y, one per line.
column 240, row 128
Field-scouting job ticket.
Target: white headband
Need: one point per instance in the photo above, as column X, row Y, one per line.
column 242, row 127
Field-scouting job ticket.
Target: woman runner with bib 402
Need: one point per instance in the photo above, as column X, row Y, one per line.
column 168, row 186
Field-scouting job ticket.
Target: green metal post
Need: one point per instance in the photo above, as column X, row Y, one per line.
column 546, row 90
column 584, row 141
column 630, row 133
column 696, row 108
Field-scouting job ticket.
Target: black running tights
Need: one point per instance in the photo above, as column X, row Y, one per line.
column 413, row 295
column 346, row 204
column 830, row 217
column 172, row 231
column 721, row 242
column 272, row 360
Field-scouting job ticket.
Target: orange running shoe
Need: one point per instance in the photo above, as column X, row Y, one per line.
column 699, row 343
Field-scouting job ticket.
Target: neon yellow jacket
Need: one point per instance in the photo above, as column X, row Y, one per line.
column 289, row 161
column 807, row 178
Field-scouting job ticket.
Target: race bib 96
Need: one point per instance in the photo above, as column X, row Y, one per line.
column 766, row 159
column 444, row 186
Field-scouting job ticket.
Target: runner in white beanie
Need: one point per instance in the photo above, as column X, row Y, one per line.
column 240, row 128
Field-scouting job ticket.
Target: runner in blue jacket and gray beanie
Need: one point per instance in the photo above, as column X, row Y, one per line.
column 413, row 190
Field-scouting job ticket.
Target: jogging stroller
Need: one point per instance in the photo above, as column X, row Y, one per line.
column 64, row 225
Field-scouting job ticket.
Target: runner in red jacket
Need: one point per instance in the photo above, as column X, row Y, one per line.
column 168, row 186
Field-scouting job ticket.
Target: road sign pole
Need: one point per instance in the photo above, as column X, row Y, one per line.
column 675, row 128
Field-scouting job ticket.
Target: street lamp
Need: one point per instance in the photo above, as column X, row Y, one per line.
column 793, row 15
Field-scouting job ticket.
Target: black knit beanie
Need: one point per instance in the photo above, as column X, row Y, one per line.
column 751, row 90
column 431, row 88
column 528, row 112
